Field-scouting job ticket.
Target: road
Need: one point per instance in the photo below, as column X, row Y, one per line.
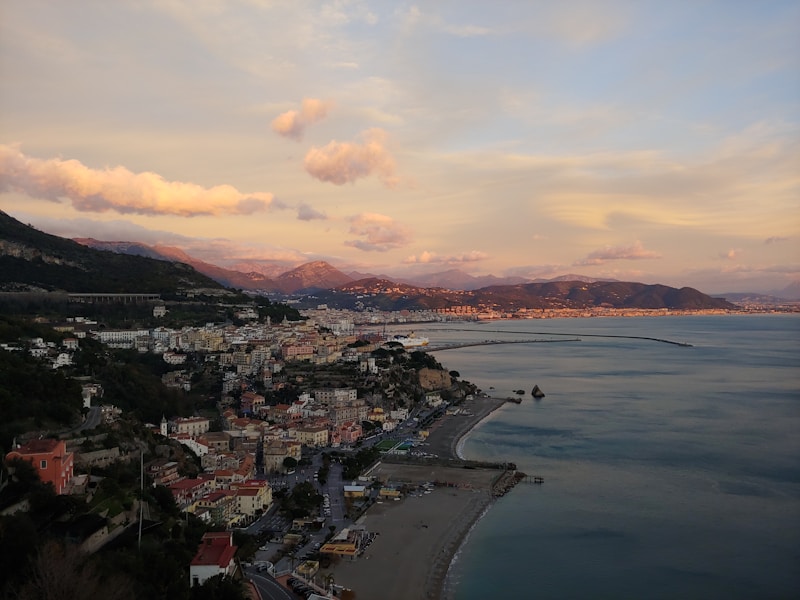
column 267, row 586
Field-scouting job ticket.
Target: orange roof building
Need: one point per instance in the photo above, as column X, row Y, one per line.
column 50, row 459
column 215, row 556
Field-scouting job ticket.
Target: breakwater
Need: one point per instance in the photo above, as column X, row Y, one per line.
column 576, row 337
column 506, row 482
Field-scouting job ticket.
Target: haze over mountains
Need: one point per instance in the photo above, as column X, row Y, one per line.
column 31, row 258
column 319, row 275
column 449, row 288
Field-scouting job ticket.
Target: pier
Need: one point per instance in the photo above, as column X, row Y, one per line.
column 575, row 338
column 491, row 343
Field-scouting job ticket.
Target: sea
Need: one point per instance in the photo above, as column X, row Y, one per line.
column 669, row 471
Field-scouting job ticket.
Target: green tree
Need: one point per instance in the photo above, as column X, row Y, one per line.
column 64, row 573
column 219, row 587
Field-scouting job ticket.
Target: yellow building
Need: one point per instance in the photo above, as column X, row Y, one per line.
column 312, row 436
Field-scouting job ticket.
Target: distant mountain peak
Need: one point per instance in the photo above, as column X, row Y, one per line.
column 317, row 274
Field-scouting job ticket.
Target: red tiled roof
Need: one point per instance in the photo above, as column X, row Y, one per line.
column 214, row 550
column 38, row 446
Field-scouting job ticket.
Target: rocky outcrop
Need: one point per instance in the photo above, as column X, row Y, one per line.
column 434, row 379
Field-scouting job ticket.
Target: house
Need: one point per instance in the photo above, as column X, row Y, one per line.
column 253, row 496
column 50, row 459
column 163, row 472
column 215, row 556
column 217, row 441
column 312, row 436
column 194, row 426
column 251, row 402
column 350, row 432
column 433, row 399
column 221, row 505
column 188, row 491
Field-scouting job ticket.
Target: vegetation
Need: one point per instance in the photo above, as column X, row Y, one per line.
column 52, row 263
column 302, row 501
column 356, row 464
column 50, row 399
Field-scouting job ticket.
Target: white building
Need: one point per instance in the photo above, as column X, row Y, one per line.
column 215, row 556
column 192, row 426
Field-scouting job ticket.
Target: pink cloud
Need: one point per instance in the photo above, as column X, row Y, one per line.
column 118, row 189
column 345, row 162
column 379, row 232
column 306, row 212
column 293, row 123
column 634, row 252
column 731, row 254
column 431, row 257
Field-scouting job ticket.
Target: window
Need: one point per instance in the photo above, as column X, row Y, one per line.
column 42, row 464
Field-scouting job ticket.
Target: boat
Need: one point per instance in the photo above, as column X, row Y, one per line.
column 410, row 340
column 536, row 392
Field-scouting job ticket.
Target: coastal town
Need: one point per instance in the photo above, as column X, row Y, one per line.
column 298, row 447
column 323, row 442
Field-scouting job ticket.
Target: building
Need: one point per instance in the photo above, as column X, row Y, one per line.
column 312, row 436
column 221, row 506
column 335, row 396
column 50, row 459
column 215, row 556
column 350, row 432
column 188, row 491
column 252, row 497
column 193, row 426
column 163, row 472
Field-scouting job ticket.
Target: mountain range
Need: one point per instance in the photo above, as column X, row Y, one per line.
column 32, row 259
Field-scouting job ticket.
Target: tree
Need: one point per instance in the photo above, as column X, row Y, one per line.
column 289, row 463
column 64, row 573
column 219, row 587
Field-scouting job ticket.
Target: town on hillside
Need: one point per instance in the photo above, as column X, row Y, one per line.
column 238, row 446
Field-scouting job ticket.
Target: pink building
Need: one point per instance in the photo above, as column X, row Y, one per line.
column 350, row 432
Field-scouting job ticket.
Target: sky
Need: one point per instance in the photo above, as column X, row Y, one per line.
column 642, row 141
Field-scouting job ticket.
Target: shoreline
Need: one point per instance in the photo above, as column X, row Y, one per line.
column 447, row 438
column 444, row 587
column 422, row 535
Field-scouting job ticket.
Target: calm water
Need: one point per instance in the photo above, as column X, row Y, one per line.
column 670, row 472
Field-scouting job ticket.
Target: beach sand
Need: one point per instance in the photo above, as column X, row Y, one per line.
column 419, row 535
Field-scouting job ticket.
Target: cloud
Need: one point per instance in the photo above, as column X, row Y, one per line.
column 431, row 257
column 731, row 254
column 634, row 252
column 293, row 123
column 775, row 239
column 345, row 162
column 118, row 189
column 414, row 18
column 306, row 212
column 380, row 233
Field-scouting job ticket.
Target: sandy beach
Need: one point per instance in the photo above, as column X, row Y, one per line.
column 419, row 535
